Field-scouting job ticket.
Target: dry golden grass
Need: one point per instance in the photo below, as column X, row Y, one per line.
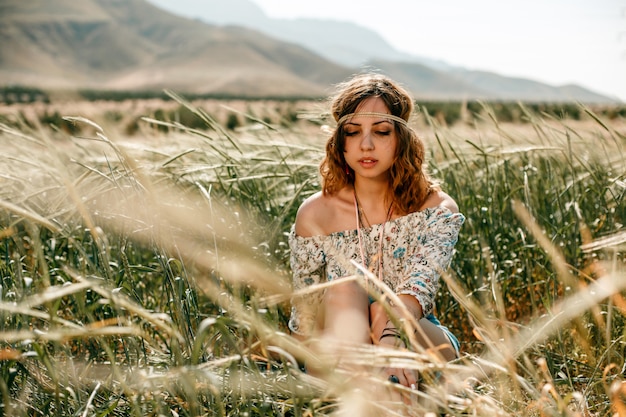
column 158, row 217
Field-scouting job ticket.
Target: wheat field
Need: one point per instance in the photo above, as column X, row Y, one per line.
column 147, row 274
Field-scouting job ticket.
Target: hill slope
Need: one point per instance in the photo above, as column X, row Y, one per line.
column 134, row 45
column 352, row 45
column 130, row 44
column 464, row 84
column 339, row 41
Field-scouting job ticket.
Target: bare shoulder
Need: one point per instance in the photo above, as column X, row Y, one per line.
column 440, row 199
column 308, row 221
column 323, row 214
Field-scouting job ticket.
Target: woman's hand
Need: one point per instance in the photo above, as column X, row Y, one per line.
column 385, row 334
column 406, row 377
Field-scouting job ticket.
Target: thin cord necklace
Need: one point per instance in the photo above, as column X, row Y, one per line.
column 362, row 214
column 357, row 210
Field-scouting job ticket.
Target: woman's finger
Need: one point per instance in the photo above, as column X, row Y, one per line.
column 398, row 376
column 411, row 377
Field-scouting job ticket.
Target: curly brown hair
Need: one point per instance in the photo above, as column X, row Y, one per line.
column 409, row 183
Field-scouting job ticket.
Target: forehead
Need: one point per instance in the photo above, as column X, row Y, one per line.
column 372, row 104
column 369, row 111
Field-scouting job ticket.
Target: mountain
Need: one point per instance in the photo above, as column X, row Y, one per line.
column 135, row 45
column 513, row 88
column 343, row 42
column 348, row 44
column 460, row 84
column 131, row 44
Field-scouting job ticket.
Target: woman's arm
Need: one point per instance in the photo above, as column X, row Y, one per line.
column 385, row 333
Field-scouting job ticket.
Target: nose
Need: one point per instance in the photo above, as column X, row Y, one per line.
column 367, row 143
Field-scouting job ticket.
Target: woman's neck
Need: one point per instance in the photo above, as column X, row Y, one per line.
column 374, row 198
column 371, row 192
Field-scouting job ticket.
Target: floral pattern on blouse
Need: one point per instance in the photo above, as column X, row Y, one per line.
column 415, row 248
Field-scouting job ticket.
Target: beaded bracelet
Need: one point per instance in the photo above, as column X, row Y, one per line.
column 391, row 332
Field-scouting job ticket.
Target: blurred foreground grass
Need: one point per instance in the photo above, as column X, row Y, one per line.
column 149, row 277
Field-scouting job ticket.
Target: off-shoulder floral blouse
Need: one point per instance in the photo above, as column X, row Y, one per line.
column 415, row 248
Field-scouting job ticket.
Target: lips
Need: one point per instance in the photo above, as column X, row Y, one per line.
column 366, row 162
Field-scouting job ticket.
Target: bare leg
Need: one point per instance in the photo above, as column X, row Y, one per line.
column 346, row 324
column 346, row 314
column 343, row 322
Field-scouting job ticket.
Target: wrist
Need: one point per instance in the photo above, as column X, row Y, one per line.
column 391, row 337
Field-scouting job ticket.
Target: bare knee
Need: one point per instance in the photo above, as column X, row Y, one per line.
column 433, row 338
column 345, row 312
column 342, row 292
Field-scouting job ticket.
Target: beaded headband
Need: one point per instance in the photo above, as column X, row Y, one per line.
column 372, row 114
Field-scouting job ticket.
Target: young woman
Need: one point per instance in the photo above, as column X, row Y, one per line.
column 380, row 209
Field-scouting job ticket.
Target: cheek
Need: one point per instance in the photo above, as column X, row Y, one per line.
column 396, row 145
column 349, row 145
column 391, row 146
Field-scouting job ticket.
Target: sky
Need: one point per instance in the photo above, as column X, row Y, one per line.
column 553, row 41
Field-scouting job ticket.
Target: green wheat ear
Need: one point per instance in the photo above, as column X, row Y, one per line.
column 149, row 275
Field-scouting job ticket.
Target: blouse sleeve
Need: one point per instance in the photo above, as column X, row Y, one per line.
column 307, row 267
column 433, row 253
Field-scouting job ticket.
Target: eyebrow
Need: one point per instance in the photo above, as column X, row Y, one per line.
column 373, row 124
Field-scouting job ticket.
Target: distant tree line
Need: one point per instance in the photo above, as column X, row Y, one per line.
column 444, row 112
column 12, row 94
column 19, row 94
column 449, row 112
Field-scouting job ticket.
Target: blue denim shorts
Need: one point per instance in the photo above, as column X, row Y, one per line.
column 453, row 339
